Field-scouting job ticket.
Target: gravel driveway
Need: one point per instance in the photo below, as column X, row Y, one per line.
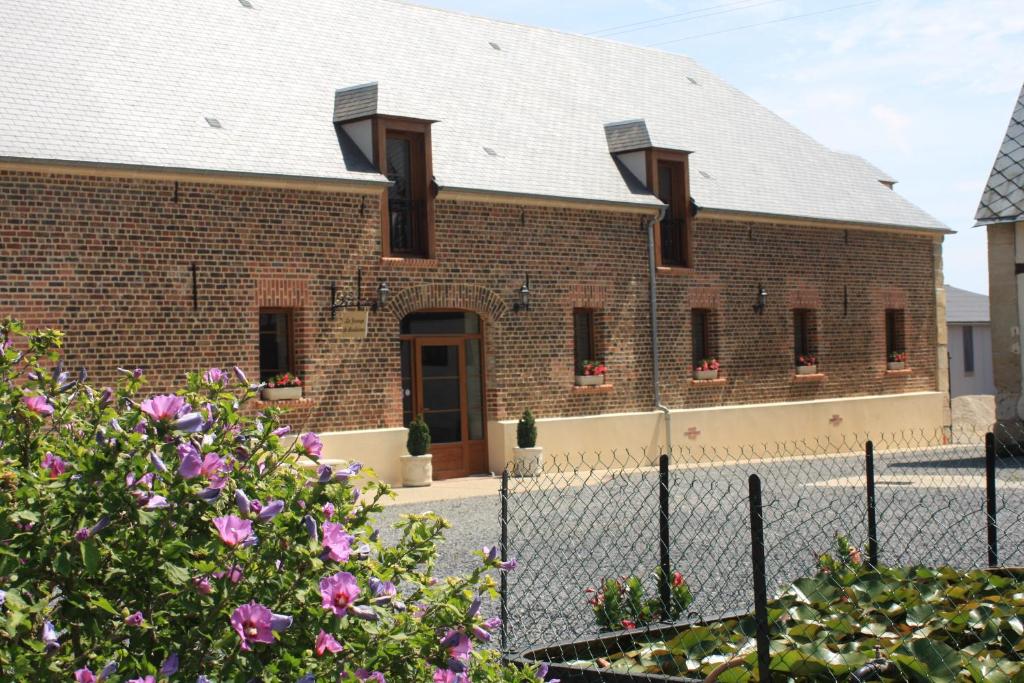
column 569, row 531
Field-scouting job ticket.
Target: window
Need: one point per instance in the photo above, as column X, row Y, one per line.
column 702, row 349
column 583, row 336
column 407, row 217
column 673, row 227
column 894, row 332
column 275, row 343
column 804, row 335
column 402, row 150
column 968, row 349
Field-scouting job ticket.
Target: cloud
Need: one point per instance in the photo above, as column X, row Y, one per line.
column 895, row 125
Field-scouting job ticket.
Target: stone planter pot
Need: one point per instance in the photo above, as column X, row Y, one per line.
column 282, row 394
column 527, row 462
column 589, row 380
column 417, row 470
column 705, row 374
column 807, row 369
column 898, row 365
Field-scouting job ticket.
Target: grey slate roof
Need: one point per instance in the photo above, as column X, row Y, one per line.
column 625, row 136
column 355, row 102
column 130, row 82
column 965, row 307
column 1003, row 199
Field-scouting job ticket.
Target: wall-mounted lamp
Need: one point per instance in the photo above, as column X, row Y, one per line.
column 358, row 302
column 524, row 296
column 762, row 299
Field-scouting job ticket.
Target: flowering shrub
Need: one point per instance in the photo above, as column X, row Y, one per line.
column 806, row 361
column 283, row 380
column 176, row 538
column 623, row 604
column 593, row 367
column 707, row 364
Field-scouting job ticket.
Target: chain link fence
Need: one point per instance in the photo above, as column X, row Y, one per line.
column 640, row 565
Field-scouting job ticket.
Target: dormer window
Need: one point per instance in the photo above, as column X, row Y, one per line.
column 403, row 155
column 407, row 196
column 673, row 231
column 398, row 148
column 666, row 173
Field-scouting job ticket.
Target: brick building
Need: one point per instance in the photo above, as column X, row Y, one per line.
column 1001, row 210
column 182, row 186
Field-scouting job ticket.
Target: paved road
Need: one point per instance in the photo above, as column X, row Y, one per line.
column 569, row 531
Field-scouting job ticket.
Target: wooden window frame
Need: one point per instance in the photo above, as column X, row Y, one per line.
column 895, row 331
column 709, row 351
column 289, row 314
column 655, row 157
column 591, row 327
column 807, row 331
column 418, row 132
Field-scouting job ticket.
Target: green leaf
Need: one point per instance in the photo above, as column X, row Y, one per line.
column 90, row 557
column 938, row 661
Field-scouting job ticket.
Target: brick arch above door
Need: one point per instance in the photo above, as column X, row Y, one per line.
column 481, row 300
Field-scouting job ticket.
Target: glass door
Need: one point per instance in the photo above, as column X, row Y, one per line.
column 441, row 389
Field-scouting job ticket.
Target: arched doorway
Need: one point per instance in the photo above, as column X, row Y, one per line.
column 443, row 380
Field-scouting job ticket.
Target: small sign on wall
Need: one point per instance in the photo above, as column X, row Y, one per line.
column 351, row 324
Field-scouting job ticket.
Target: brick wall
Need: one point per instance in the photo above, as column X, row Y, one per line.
column 109, row 261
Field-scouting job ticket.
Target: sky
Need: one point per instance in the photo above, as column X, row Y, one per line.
column 923, row 89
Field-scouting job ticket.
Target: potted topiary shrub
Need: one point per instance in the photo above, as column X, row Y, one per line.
column 528, row 458
column 708, row 369
column 897, row 360
column 283, row 387
column 591, row 373
column 418, row 466
column 807, row 365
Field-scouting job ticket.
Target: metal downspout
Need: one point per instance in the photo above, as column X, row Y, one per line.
column 1018, row 243
column 655, row 357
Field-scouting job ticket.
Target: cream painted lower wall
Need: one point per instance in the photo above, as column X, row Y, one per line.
column 730, row 427
column 574, row 442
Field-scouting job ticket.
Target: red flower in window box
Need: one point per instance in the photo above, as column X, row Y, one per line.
column 283, row 380
column 897, row 360
column 591, row 373
column 707, row 369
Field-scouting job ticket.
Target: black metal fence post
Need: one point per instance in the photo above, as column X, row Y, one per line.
column 504, row 558
column 990, row 499
column 869, row 466
column 760, row 581
column 664, row 583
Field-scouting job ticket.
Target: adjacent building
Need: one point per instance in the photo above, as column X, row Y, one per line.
column 970, row 343
column 421, row 212
column 1002, row 212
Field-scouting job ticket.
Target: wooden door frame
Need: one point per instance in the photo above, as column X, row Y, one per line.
column 417, row 341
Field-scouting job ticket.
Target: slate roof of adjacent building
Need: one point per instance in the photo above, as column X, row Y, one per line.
column 1003, row 199
column 963, row 306
column 132, row 83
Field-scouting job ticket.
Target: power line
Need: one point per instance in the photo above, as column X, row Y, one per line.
column 665, row 19
column 691, row 18
column 765, row 23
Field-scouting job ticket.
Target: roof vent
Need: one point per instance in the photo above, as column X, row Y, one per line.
column 490, row 152
column 245, row 3
column 692, row 80
column 214, row 123
column 496, row 46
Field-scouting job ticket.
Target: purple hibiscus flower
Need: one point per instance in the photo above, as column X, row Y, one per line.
column 190, row 464
column 338, row 592
column 312, row 443
column 83, row 675
column 134, row 619
column 449, row 676
column 337, row 541
column 252, row 622
column 215, row 376
column 325, row 642
column 38, row 405
column 164, row 407
column 54, row 464
column 233, row 530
